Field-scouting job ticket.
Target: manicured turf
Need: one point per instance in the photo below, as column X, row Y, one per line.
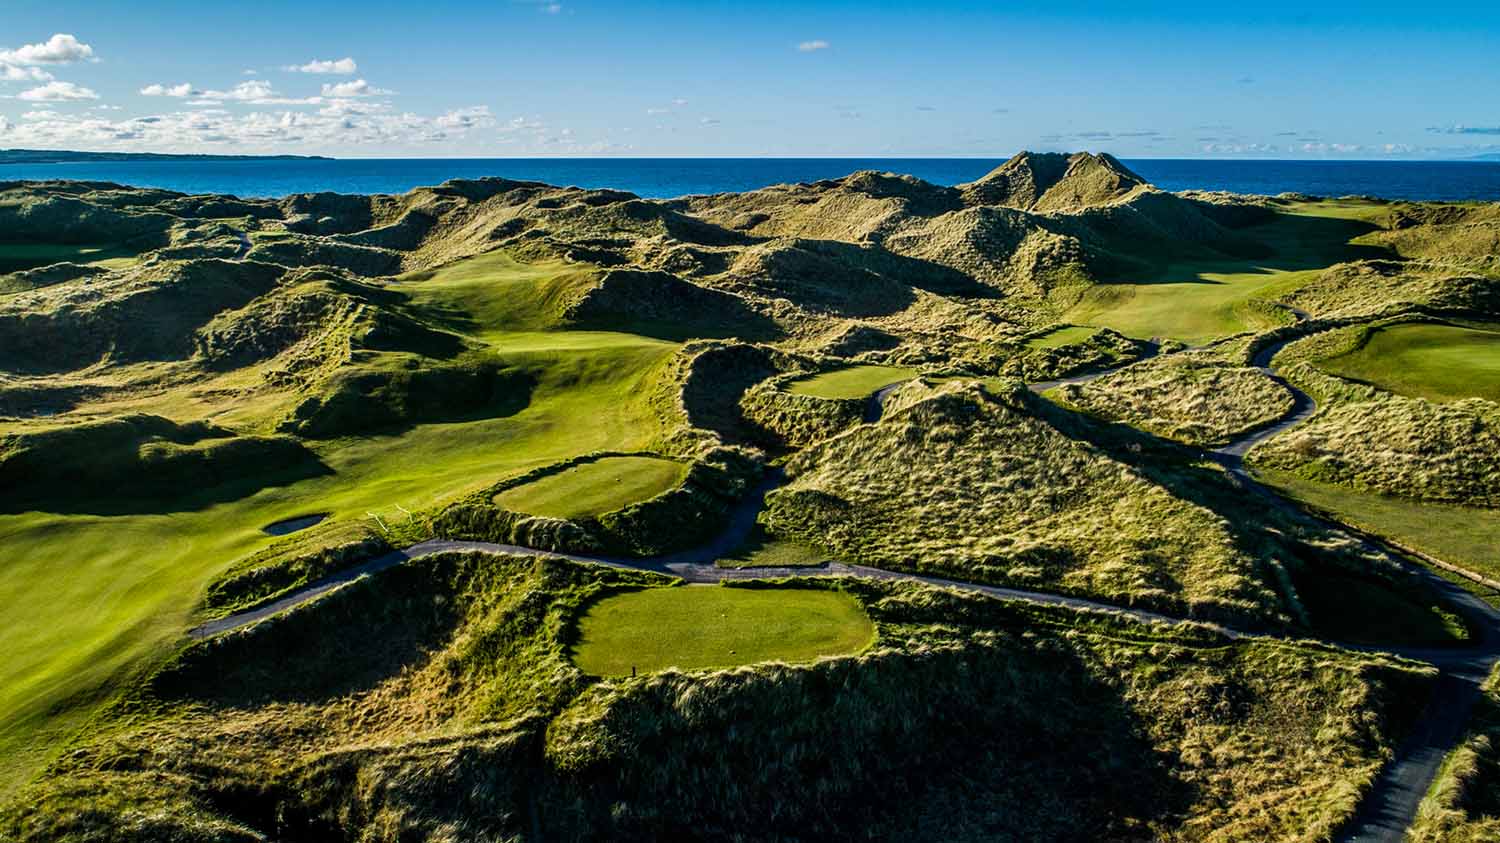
column 1062, row 336
column 16, row 256
column 1197, row 301
column 1432, row 361
column 851, row 382
column 1463, row 536
column 594, row 488
column 128, row 583
column 698, row 627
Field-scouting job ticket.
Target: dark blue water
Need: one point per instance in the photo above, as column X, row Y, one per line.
column 666, row 177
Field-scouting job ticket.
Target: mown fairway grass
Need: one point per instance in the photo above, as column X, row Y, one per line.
column 594, row 488
column 1197, row 301
column 1460, row 535
column 850, row 382
column 698, row 627
column 1427, row 360
column 17, row 256
column 87, row 599
column 1062, row 336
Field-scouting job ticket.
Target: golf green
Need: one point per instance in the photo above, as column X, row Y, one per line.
column 698, row 627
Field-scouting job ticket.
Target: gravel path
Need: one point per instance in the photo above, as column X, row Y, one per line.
column 1383, row 815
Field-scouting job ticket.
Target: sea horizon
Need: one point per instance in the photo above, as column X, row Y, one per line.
column 667, row 178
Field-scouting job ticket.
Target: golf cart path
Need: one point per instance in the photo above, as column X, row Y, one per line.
column 1382, row 816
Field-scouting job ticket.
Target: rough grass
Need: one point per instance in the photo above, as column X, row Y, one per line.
column 850, row 382
column 704, row 627
column 1445, row 453
column 594, row 488
column 436, row 701
column 1192, row 398
column 1463, row 805
column 1438, row 362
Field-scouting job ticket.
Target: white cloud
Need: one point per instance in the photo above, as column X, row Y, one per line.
column 679, row 102
column 17, row 73
column 251, row 92
column 710, row 121
column 253, row 89
column 59, row 49
column 476, row 117
column 354, row 88
column 183, row 90
column 813, row 46
column 552, row 8
column 344, row 67
column 58, row 92
column 335, row 128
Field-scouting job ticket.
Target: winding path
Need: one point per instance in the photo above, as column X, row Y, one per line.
column 1382, row 816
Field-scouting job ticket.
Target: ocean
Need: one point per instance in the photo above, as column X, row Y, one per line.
column 661, row 178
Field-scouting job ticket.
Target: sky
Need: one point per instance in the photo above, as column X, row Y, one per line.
column 508, row 78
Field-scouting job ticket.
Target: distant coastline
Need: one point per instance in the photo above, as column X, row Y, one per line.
column 65, row 156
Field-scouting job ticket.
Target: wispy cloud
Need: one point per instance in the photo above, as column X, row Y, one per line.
column 250, row 92
column 17, row 73
column 546, row 7
column 343, row 67
column 1465, row 130
column 337, row 126
column 813, row 46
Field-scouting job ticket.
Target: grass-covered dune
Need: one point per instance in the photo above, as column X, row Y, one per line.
column 439, row 700
column 1196, row 398
column 558, row 367
column 973, row 484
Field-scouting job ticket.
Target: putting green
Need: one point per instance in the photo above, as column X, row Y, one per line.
column 1425, row 360
column 594, row 488
column 1059, row 337
column 850, row 382
column 700, row 627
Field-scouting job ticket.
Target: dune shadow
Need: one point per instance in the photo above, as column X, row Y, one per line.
column 1290, row 243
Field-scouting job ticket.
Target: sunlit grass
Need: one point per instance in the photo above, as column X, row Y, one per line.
column 1432, row 361
column 594, row 488
column 698, row 627
column 850, row 382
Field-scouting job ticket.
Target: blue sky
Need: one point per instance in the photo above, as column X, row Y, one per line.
column 582, row 77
